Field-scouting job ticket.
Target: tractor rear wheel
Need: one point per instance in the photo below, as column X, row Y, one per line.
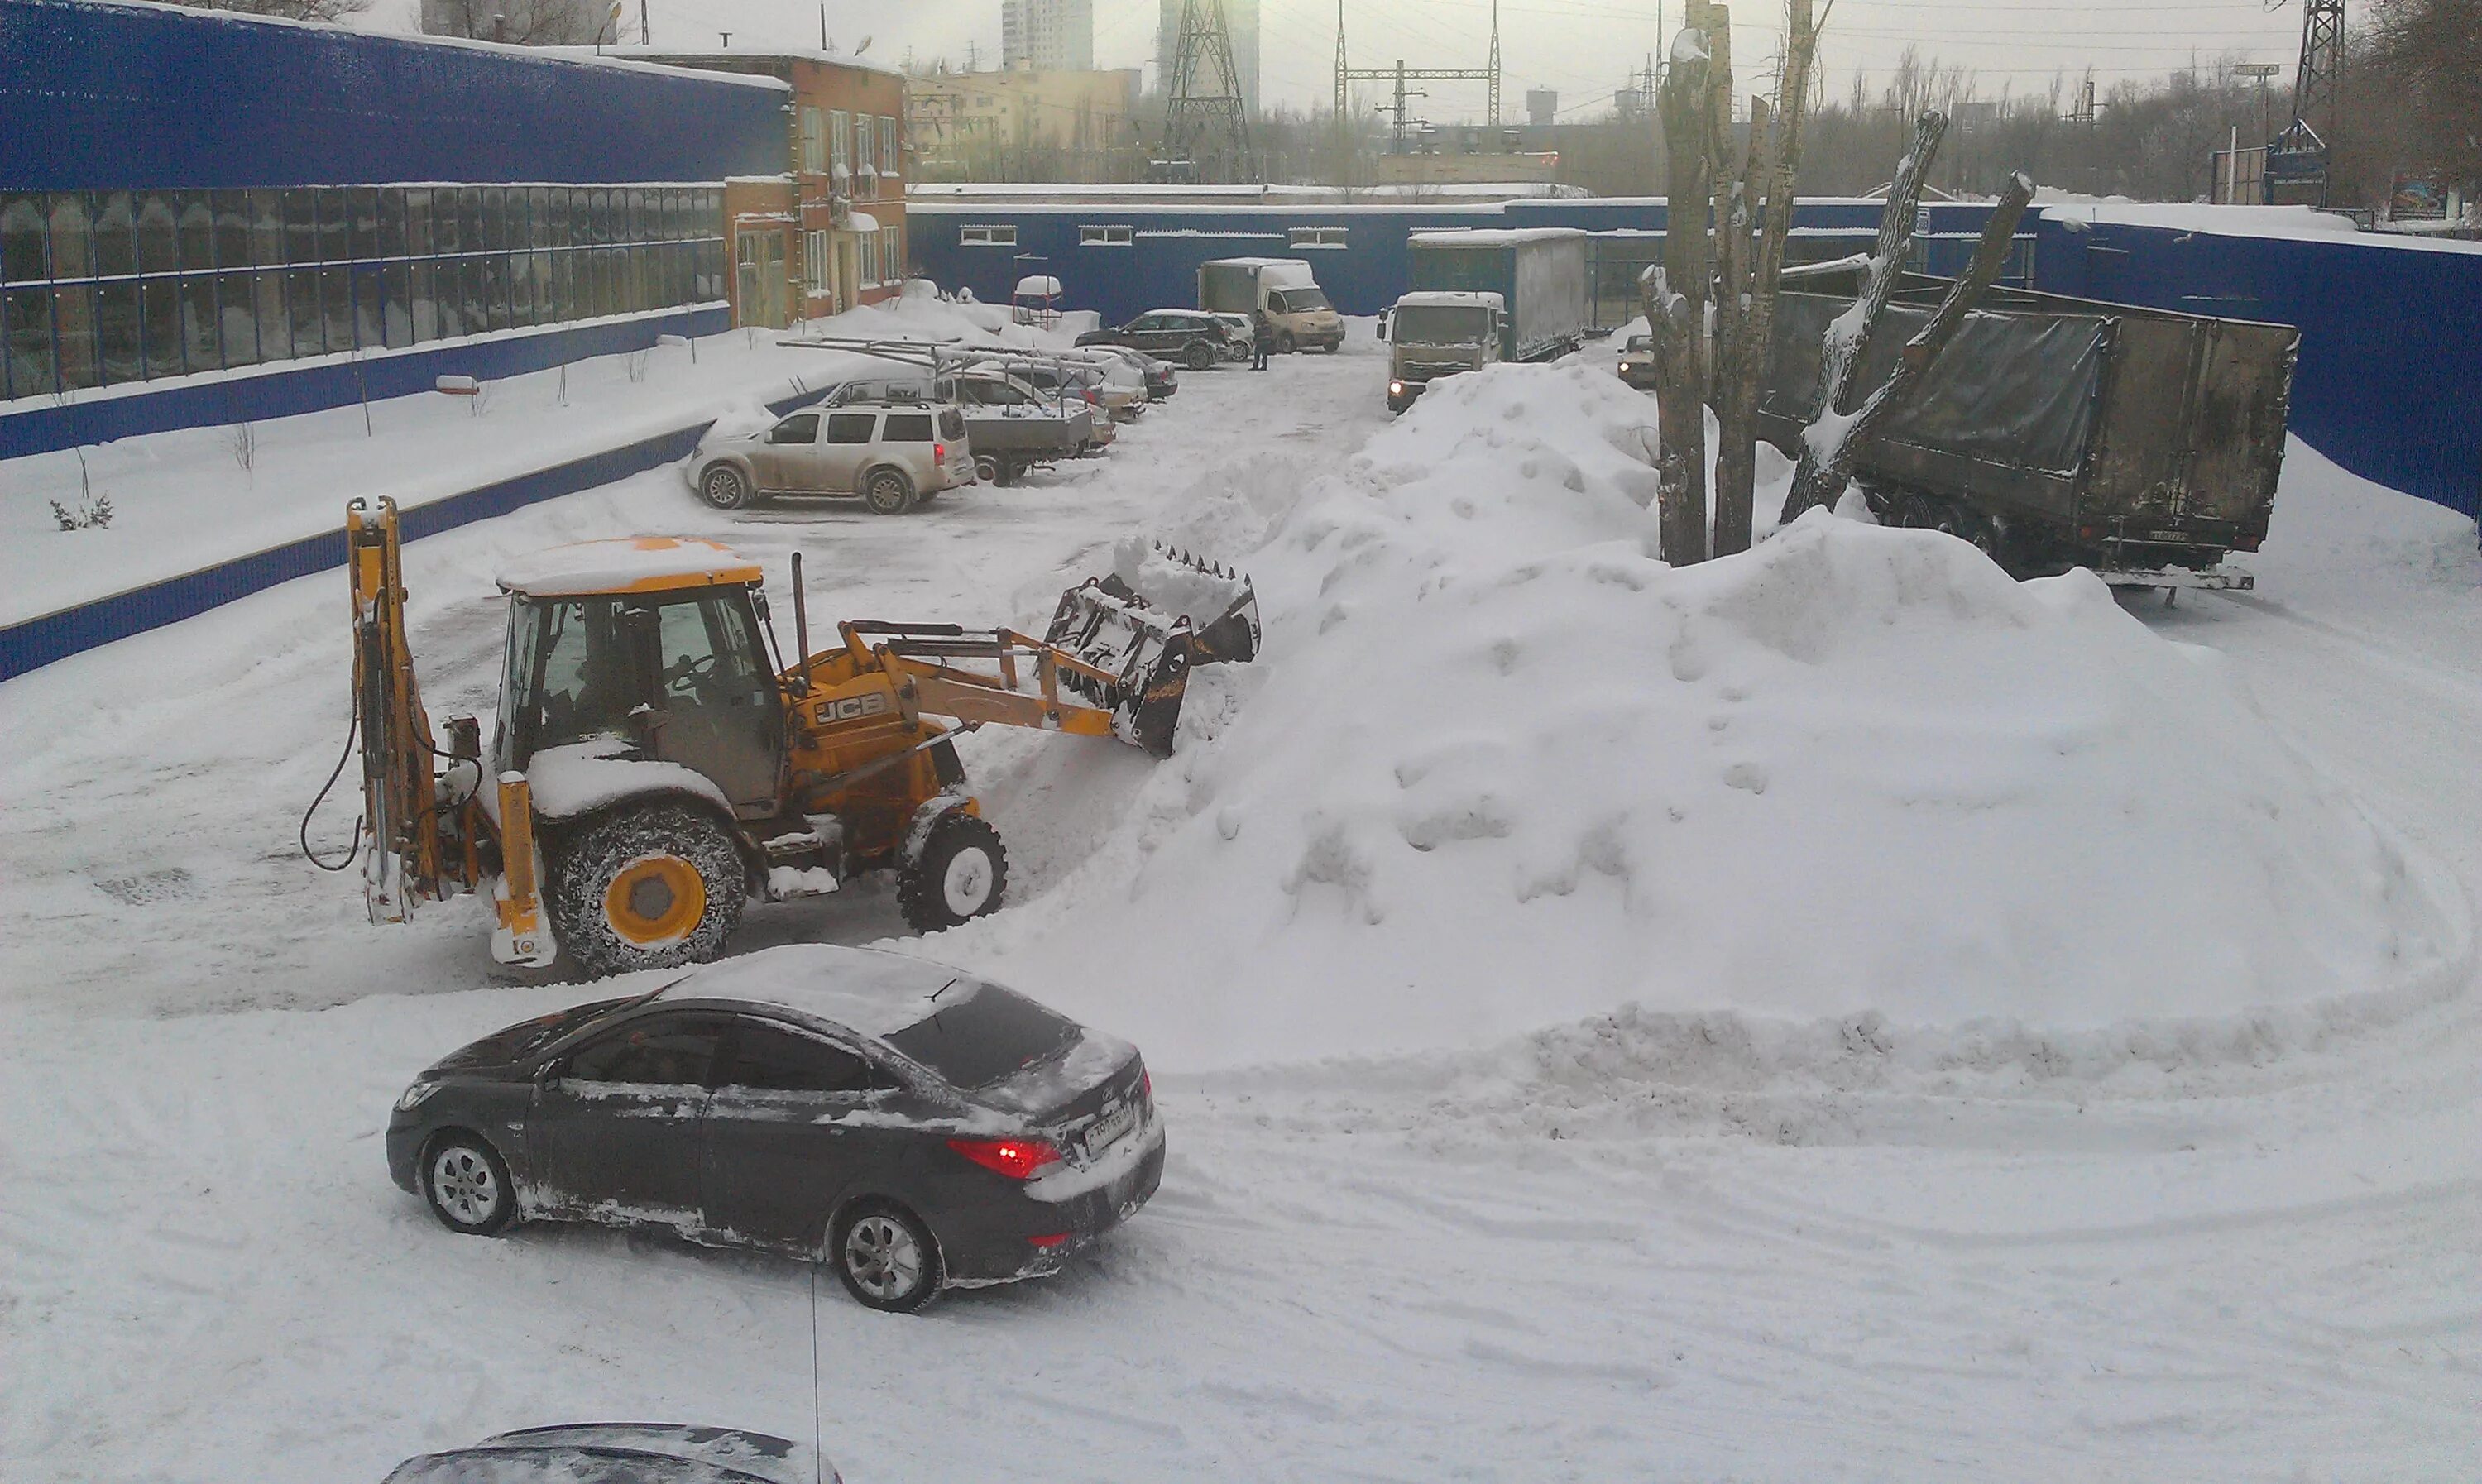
column 961, row 874
column 654, row 886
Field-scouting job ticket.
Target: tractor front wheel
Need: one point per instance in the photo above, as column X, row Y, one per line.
column 654, row 886
column 961, row 874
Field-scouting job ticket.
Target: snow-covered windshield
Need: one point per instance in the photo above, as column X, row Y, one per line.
column 1434, row 324
column 982, row 1034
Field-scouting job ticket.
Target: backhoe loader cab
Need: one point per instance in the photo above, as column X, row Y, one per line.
column 655, row 764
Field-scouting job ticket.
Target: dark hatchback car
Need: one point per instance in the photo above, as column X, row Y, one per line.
column 914, row 1126
column 1190, row 338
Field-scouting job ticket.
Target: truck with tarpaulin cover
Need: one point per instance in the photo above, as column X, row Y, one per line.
column 2056, row 432
column 1479, row 298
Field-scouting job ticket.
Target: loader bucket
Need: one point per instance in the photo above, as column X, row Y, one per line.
column 1150, row 645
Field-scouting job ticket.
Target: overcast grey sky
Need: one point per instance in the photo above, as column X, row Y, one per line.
column 1585, row 48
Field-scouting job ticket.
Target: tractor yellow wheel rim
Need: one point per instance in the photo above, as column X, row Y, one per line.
column 655, row 900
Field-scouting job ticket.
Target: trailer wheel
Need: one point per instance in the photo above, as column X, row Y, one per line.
column 987, row 469
column 961, row 874
column 653, row 887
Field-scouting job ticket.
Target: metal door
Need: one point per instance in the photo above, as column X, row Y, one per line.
column 790, row 1128
column 719, row 713
column 843, row 449
column 614, row 1133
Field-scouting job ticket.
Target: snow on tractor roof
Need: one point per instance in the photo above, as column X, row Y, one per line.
column 860, row 989
column 632, row 564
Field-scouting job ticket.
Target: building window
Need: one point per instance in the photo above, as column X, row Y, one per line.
column 1003, row 235
column 887, row 165
column 1106, row 236
column 839, row 162
column 1318, row 236
column 814, row 141
column 112, row 286
column 866, row 253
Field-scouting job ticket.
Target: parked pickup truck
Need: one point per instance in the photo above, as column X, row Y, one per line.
column 2058, row 432
column 1010, row 427
column 1481, row 298
column 1283, row 288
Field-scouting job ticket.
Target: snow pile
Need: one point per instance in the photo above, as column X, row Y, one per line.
column 1501, row 769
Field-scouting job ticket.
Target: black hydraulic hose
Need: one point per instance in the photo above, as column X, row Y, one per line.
column 353, row 726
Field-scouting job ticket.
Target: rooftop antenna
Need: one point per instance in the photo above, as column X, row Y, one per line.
column 823, row 25
column 727, row 39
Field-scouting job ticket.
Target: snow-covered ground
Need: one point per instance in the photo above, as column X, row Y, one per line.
column 1455, row 1191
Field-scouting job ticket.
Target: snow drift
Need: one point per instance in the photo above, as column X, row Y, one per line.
column 1501, row 768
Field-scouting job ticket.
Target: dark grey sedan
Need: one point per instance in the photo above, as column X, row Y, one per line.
column 914, row 1126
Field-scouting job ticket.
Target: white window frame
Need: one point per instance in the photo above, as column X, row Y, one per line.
column 838, row 161
column 1317, row 237
column 1106, row 235
column 987, row 234
column 814, row 140
column 887, row 165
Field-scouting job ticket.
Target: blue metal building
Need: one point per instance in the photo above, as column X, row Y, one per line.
column 268, row 218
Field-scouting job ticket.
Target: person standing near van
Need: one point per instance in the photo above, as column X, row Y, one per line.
column 1262, row 337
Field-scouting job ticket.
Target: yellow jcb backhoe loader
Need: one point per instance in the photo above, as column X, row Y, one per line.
column 650, row 770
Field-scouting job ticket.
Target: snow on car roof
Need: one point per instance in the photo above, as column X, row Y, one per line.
column 1452, row 297
column 630, row 563
column 864, row 989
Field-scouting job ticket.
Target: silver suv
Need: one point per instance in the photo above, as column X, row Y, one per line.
column 893, row 457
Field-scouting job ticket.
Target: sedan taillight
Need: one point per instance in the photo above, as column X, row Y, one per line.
column 1020, row 1160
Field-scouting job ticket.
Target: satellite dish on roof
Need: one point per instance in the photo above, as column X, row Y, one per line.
column 864, row 46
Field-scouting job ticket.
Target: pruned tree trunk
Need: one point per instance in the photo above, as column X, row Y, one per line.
column 1834, row 447
column 1772, row 166
column 1849, row 333
column 1676, row 309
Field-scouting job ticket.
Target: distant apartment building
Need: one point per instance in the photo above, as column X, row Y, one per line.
column 1003, row 125
column 1047, row 35
column 1240, row 19
column 829, row 232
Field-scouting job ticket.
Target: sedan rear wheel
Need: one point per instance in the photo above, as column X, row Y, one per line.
column 468, row 1186
column 886, row 1257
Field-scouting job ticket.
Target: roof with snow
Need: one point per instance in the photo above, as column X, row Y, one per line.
column 1449, row 298
column 632, row 564
column 1515, row 236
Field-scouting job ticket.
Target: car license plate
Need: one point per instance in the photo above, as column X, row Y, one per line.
column 1110, row 1127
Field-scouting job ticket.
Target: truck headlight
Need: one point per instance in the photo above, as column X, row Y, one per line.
column 1395, row 388
column 415, row 1096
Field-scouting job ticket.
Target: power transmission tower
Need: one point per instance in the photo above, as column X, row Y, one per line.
column 1206, row 124
column 2296, row 159
column 1398, row 108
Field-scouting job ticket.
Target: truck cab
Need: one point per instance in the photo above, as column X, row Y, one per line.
column 1282, row 288
column 1437, row 332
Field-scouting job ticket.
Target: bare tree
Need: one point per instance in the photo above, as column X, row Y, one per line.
column 1832, row 442
column 1773, row 163
column 1675, row 306
column 1849, row 333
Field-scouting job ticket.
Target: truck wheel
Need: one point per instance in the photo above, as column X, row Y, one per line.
column 1200, row 356
column 888, row 491
column 724, row 488
column 961, row 874
column 1284, row 345
column 654, row 886
column 987, row 469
